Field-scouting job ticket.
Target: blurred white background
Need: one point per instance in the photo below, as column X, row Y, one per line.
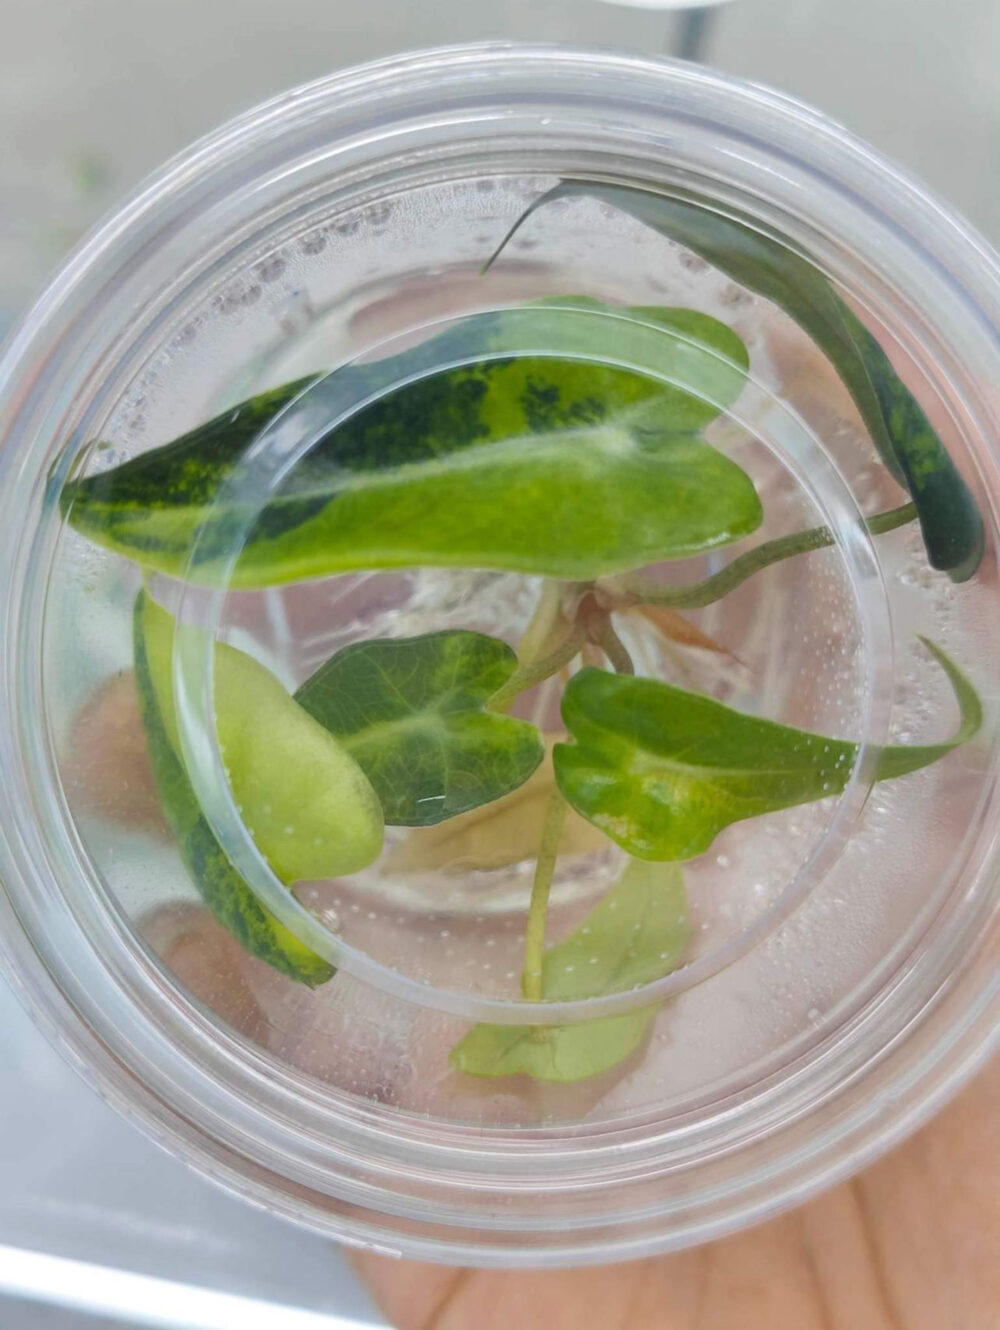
column 94, row 94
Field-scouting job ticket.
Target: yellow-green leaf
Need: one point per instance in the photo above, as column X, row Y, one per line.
column 308, row 805
column 634, row 936
column 224, row 891
column 662, row 770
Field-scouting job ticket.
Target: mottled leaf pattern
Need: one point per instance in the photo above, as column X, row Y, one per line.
column 410, row 712
column 533, row 463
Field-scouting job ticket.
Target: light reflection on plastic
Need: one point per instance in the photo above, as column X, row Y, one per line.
column 146, row 1300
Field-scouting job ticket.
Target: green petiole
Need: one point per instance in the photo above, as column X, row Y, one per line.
column 695, row 595
column 529, row 676
column 615, row 649
column 534, row 937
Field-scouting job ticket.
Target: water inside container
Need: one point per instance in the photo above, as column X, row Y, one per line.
column 431, row 933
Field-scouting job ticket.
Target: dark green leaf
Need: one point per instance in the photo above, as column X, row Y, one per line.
column 223, row 890
column 410, row 712
column 762, row 262
column 636, row 935
column 661, row 770
column 533, row 463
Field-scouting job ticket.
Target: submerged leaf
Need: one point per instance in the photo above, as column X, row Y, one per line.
column 410, row 711
column 662, row 770
column 635, row 935
column 908, row 445
column 225, row 893
column 495, row 835
column 534, row 463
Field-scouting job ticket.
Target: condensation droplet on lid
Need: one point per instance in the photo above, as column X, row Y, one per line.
column 270, row 269
column 692, row 262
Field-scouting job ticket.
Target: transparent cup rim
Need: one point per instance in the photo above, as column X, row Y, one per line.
column 195, row 1089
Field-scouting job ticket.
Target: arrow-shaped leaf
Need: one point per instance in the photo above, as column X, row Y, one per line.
column 534, row 463
column 662, row 770
column 410, row 711
column 908, row 445
column 635, row 935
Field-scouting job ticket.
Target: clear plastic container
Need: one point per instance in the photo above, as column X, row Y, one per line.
column 836, row 982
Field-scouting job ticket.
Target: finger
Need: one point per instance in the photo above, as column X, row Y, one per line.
column 410, row 1294
column 106, row 769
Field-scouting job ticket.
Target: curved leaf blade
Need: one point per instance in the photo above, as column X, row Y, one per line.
column 225, row 893
column 907, row 443
column 410, row 711
column 303, row 798
column 549, row 465
column 634, row 936
column 662, row 770
column 900, row 759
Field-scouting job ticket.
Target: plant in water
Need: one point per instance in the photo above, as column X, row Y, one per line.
column 585, row 467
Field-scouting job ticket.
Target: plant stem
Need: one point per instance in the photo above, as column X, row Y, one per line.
column 546, row 627
column 528, row 676
column 615, row 649
column 696, row 594
column 534, row 937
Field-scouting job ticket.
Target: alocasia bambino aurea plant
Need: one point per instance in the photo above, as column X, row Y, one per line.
column 582, row 467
